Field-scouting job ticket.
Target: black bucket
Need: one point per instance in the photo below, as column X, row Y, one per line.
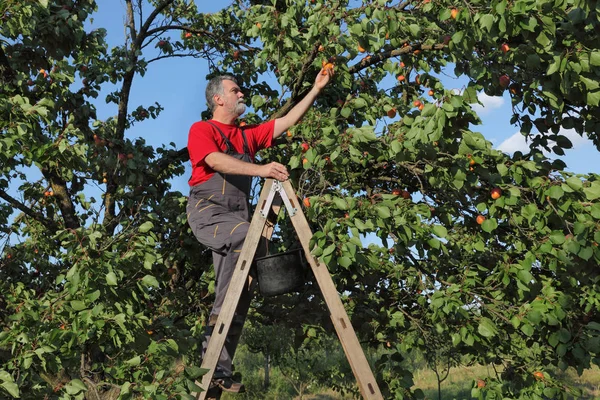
column 281, row 273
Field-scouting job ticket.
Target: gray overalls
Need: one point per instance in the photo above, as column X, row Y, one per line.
column 218, row 213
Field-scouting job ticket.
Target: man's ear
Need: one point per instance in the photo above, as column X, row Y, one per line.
column 218, row 100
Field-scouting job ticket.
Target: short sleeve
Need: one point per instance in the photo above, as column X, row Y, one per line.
column 260, row 136
column 201, row 142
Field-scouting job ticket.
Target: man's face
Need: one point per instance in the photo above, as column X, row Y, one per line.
column 233, row 98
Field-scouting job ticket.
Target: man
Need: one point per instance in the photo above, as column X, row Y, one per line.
column 222, row 156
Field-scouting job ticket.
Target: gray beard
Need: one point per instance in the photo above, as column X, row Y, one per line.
column 240, row 108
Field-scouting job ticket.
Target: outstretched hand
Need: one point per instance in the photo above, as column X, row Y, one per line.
column 324, row 76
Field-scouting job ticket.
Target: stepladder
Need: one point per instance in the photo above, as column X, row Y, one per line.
column 274, row 194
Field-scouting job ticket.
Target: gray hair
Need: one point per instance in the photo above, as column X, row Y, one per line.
column 215, row 87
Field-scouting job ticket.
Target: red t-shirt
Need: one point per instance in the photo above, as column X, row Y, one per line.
column 204, row 139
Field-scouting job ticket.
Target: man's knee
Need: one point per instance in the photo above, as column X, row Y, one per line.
column 238, row 236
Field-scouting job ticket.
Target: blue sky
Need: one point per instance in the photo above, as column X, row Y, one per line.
column 178, row 85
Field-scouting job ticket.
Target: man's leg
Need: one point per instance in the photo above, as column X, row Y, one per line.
column 224, row 264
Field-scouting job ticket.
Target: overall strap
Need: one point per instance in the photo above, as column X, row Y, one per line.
column 246, row 147
column 230, row 148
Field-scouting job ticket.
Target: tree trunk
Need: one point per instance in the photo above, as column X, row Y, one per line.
column 267, row 381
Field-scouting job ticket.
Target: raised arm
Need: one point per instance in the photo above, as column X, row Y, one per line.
column 293, row 116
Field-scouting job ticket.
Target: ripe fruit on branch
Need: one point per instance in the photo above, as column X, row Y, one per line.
column 305, row 147
column 417, row 103
column 306, row 202
column 496, row 193
column 505, row 48
column 326, row 68
column 454, row 13
column 480, row 383
column 391, row 113
column 538, row 375
column 188, row 35
column 396, row 191
column 321, row 48
column 480, row 219
column 431, row 92
column 401, row 78
column 161, row 43
column 406, row 194
column 361, row 49
column 304, row 161
column 236, row 55
column 504, row 80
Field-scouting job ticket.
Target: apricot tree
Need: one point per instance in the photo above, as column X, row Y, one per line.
column 103, row 295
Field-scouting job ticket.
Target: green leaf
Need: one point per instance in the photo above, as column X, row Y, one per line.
column 527, row 329
column 78, row 305
column 194, row 372
column 574, row 183
column 359, row 103
column 257, row 101
column 555, row 192
column 525, row 276
column 595, row 58
column 356, row 29
column 11, row 388
column 344, row 261
column 383, row 212
column 592, row 192
column 489, row 225
column 135, row 361
column 415, row 29
column 340, row 203
column 557, row 237
column 502, row 169
column 150, row 280
column 486, row 21
column 487, row 328
column 145, row 227
column 564, row 336
column 75, row 386
column 111, row 279
column 440, row 231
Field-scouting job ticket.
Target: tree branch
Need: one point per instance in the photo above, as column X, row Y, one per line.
column 6, row 71
column 67, row 209
column 131, row 22
column 51, row 225
column 223, row 37
column 375, row 58
column 143, row 33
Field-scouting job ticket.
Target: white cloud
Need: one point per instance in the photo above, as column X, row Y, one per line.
column 514, row 143
column 517, row 142
column 489, row 103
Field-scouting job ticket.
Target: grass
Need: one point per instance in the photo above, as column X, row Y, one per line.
column 459, row 382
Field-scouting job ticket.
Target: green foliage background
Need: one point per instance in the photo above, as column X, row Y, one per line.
column 104, row 296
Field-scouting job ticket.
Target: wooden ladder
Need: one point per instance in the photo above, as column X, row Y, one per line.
column 273, row 193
